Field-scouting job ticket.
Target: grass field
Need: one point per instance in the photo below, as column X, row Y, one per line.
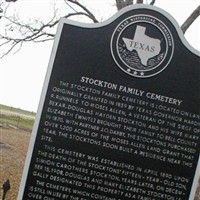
column 17, row 110
column 16, row 118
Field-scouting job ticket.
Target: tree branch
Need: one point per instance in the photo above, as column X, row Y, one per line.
column 152, row 2
column 139, row 1
column 11, row 0
column 123, row 3
column 35, row 31
column 190, row 19
column 88, row 13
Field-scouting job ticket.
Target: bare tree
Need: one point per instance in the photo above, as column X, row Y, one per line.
column 190, row 19
column 39, row 31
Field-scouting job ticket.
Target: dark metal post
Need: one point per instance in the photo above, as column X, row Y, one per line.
column 5, row 187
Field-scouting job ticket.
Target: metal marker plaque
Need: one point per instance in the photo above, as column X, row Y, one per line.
column 119, row 116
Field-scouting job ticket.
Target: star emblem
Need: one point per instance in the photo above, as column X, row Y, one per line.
column 135, row 73
column 128, row 70
column 142, row 73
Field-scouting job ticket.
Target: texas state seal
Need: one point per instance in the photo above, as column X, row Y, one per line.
column 142, row 46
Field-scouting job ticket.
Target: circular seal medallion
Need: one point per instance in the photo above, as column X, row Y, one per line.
column 142, row 46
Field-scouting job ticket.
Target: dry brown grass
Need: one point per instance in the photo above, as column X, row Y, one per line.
column 12, row 158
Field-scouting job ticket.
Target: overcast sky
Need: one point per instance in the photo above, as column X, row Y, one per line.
column 22, row 74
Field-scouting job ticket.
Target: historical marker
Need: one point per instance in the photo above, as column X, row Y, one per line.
column 119, row 116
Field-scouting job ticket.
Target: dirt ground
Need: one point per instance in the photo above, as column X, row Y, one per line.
column 197, row 197
column 13, row 150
